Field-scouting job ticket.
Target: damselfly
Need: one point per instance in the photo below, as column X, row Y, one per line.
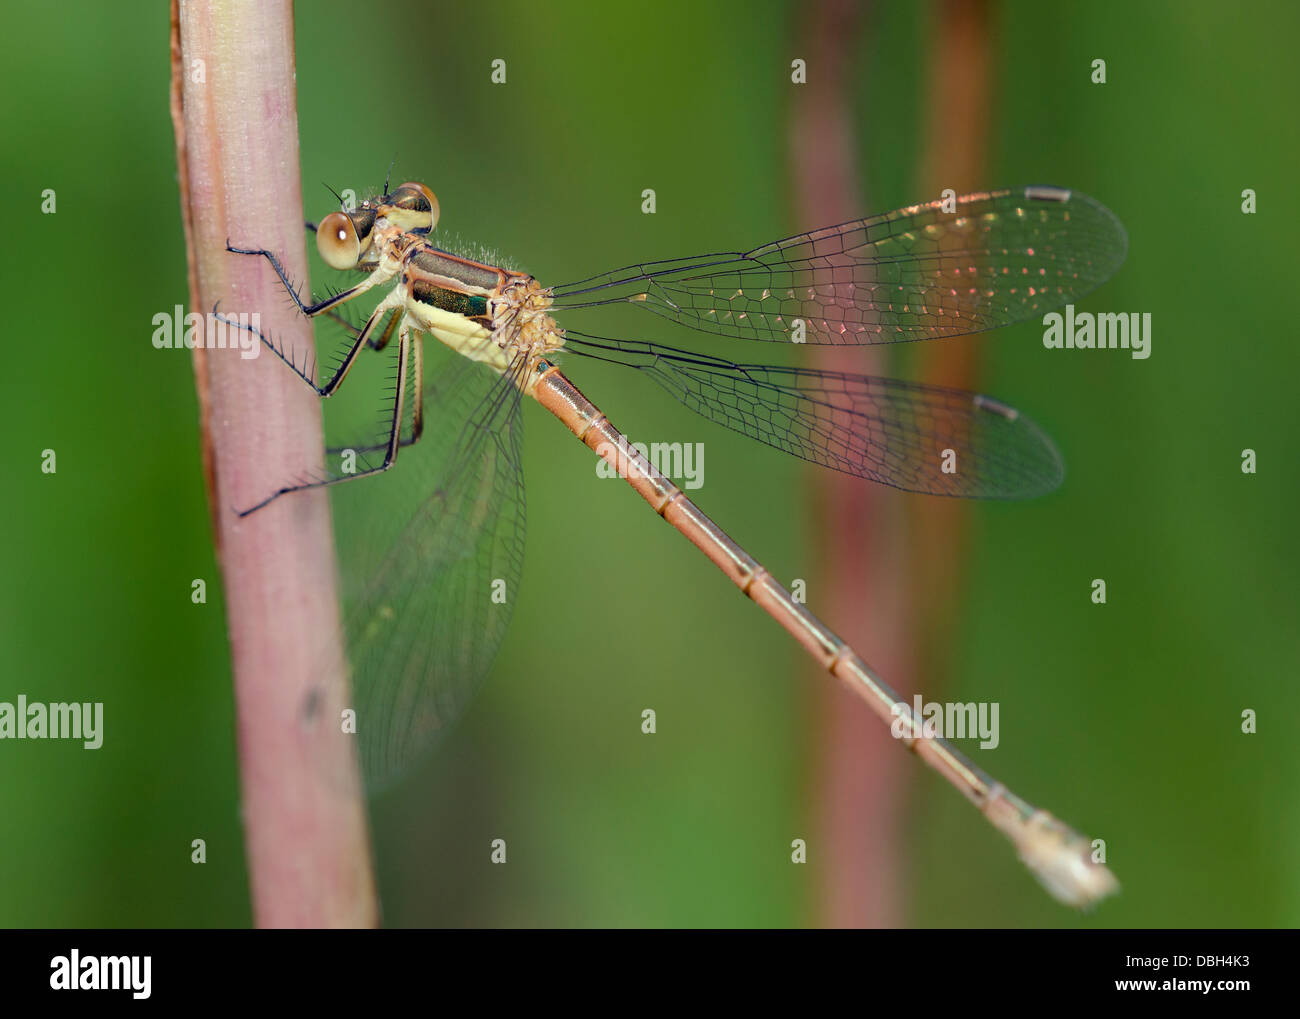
column 422, row 611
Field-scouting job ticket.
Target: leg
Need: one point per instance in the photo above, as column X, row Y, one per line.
column 390, row 450
column 381, row 341
column 417, row 380
column 417, row 408
column 389, row 303
column 312, row 310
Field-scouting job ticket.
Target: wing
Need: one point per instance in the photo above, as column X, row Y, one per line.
column 913, row 274
column 430, row 557
column 910, row 436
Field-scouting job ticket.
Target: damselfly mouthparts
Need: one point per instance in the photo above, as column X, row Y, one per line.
column 422, row 624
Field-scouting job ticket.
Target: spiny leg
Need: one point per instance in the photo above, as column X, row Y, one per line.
column 390, row 303
column 416, row 345
column 390, row 450
column 417, row 398
column 381, row 341
column 312, row 310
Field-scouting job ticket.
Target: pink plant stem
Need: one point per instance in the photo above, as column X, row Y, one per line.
column 235, row 113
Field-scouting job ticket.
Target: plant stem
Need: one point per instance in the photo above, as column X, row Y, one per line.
column 235, row 114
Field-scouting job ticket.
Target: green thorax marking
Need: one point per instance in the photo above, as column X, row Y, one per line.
column 441, row 280
column 469, row 305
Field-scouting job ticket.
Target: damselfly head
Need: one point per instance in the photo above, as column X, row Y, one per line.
column 412, row 207
column 343, row 238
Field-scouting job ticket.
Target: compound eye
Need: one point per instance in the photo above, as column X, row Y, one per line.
column 418, row 199
column 337, row 241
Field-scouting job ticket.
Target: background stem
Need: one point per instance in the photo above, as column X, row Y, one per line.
column 958, row 124
column 235, row 114
column 858, row 776
column 894, row 563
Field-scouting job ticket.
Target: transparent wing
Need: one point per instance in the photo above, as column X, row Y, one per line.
column 430, row 555
column 913, row 274
column 910, row 436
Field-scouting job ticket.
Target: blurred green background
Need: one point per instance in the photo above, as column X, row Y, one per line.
column 1124, row 720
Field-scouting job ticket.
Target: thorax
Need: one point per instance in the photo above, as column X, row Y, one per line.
column 481, row 311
